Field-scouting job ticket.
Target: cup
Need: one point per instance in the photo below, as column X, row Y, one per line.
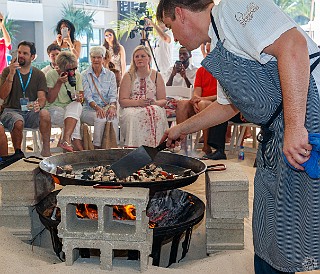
column 30, row 105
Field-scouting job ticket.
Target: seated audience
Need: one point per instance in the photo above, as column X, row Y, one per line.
column 100, row 93
column 183, row 73
column 65, row 38
column 53, row 51
column 23, row 88
column 3, row 142
column 205, row 92
column 142, row 99
column 64, row 100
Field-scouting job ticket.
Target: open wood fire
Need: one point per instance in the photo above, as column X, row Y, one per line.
column 165, row 208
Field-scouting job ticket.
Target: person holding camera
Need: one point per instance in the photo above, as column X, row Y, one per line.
column 23, row 87
column 65, row 95
column 183, row 72
column 65, row 37
column 163, row 45
column 5, row 43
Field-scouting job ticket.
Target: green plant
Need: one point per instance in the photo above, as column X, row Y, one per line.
column 130, row 22
column 81, row 19
column 11, row 26
column 299, row 10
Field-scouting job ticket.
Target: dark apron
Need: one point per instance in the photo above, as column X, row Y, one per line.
column 286, row 215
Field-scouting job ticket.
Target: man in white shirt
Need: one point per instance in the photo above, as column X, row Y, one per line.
column 183, row 72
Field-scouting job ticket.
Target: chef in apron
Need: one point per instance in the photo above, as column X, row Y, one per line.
column 267, row 69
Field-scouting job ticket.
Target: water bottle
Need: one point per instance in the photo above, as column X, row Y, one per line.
column 241, row 153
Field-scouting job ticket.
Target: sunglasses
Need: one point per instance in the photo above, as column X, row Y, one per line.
column 72, row 69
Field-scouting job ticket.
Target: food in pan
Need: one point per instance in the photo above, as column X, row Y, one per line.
column 148, row 173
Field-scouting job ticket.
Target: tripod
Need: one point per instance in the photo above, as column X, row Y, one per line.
column 143, row 41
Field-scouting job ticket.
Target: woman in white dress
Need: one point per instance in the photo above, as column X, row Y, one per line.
column 142, row 98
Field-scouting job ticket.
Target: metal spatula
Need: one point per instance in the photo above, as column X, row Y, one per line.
column 135, row 160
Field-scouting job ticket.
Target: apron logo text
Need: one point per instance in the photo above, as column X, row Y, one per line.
column 244, row 18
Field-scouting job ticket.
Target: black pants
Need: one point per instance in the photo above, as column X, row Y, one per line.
column 217, row 134
column 262, row 267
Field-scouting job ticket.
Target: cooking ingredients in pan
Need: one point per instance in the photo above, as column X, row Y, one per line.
column 148, row 173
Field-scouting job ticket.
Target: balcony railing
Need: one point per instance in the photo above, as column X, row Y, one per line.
column 93, row 3
column 26, row 1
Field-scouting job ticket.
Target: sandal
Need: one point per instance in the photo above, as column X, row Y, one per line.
column 66, row 146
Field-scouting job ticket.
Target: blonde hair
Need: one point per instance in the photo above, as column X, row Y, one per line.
column 133, row 67
column 66, row 58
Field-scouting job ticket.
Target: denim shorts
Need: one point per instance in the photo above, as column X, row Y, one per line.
column 10, row 116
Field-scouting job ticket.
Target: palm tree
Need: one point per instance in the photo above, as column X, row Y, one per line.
column 82, row 20
column 11, row 26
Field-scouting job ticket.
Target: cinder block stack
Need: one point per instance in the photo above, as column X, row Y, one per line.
column 227, row 205
column 22, row 185
column 106, row 233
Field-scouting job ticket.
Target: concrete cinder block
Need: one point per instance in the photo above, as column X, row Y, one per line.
column 227, row 192
column 105, row 233
column 23, row 184
column 224, row 234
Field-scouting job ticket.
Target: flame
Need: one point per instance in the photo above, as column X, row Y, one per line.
column 55, row 180
column 124, row 212
column 87, row 211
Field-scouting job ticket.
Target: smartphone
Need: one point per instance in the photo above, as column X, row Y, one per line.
column 64, row 33
column 178, row 65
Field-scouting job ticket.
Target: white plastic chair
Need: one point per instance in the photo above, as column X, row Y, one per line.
column 178, row 93
column 237, row 135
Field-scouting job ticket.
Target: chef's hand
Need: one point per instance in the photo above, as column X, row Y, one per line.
column 171, row 134
column 296, row 146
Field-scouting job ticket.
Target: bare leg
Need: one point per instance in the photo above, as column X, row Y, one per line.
column 77, row 144
column 16, row 134
column 184, row 111
column 69, row 125
column 206, row 148
column 45, row 130
column 3, row 142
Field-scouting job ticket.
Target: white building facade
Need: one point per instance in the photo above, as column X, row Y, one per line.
column 37, row 20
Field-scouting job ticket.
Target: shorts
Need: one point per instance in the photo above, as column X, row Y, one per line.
column 10, row 116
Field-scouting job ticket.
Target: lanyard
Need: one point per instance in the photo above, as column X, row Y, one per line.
column 24, row 86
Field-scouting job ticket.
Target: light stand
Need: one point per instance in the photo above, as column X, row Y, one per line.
column 143, row 40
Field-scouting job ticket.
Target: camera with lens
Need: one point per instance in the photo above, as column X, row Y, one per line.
column 72, row 77
column 141, row 24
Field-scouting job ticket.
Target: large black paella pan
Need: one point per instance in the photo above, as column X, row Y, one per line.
column 172, row 163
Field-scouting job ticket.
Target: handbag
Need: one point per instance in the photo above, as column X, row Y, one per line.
column 87, row 137
column 109, row 139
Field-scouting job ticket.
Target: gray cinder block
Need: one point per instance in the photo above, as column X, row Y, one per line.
column 105, row 233
column 227, row 192
column 22, row 184
column 224, row 234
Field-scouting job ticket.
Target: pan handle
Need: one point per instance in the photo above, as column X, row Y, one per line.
column 163, row 145
column 107, row 187
column 27, row 159
column 216, row 167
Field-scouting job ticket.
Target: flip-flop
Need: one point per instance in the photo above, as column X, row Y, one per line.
column 66, row 146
